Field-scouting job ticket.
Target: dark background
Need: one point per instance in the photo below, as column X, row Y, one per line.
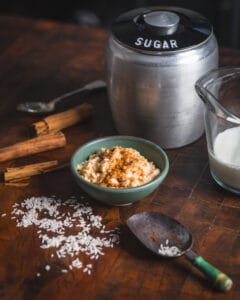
column 223, row 14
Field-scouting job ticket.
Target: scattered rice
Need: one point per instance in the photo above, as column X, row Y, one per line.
column 77, row 263
column 3, row 215
column 88, row 269
column 47, row 268
column 88, row 236
column 64, row 270
column 118, row 167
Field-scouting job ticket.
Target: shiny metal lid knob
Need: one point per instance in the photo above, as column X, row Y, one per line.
column 164, row 22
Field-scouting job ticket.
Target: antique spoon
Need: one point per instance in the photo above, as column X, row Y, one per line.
column 168, row 238
column 46, row 107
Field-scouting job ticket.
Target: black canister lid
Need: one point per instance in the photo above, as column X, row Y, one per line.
column 158, row 29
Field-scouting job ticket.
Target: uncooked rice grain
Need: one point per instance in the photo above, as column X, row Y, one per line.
column 88, row 237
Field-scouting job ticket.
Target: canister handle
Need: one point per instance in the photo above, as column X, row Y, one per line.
column 162, row 22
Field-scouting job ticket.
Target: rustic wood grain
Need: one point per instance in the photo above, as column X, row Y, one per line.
column 42, row 60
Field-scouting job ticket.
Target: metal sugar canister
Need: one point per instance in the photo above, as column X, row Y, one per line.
column 154, row 57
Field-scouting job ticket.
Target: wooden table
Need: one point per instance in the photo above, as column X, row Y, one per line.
column 41, row 60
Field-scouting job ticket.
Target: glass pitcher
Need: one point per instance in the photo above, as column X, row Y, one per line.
column 220, row 91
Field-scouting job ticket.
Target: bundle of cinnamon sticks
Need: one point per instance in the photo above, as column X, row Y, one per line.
column 47, row 137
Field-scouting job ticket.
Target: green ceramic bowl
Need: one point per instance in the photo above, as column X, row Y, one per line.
column 121, row 196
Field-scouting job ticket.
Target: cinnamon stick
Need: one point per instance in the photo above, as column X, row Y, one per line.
column 62, row 120
column 21, row 173
column 18, row 183
column 42, row 143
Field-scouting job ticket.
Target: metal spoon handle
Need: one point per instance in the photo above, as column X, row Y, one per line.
column 90, row 86
column 220, row 280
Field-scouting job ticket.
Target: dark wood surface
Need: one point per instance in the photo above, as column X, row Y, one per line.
column 41, row 60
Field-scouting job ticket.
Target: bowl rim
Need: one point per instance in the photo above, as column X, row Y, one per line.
column 162, row 174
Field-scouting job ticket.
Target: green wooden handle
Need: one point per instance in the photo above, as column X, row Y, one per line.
column 220, row 280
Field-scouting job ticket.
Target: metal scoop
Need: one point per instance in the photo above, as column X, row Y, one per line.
column 168, row 238
column 46, row 107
